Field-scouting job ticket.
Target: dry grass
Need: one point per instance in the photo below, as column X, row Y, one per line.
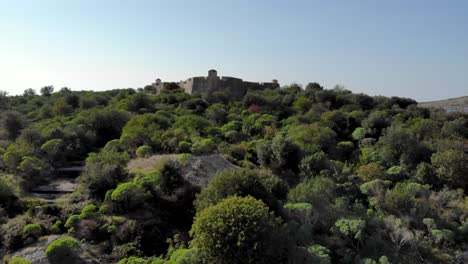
column 145, row 165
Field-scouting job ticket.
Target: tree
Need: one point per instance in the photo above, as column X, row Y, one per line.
column 302, row 104
column 217, row 113
column 12, row 122
column 3, row 99
column 353, row 230
column 30, row 92
column 313, row 86
column 399, row 147
column 406, row 198
column 312, row 165
column 452, row 167
column 398, row 232
column 243, row 182
column 376, row 122
column 47, row 90
column 72, row 99
column 312, row 138
column 104, row 171
column 370, row 171
column 237, row 230
column 318, row 191
column 280, row 154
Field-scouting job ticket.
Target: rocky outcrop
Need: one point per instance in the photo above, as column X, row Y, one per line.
column 198, row 170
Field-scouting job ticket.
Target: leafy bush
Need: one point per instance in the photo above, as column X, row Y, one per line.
column 258, row 184
column 63, row 250
column 237, row 228
column 32, row 230
column 128, row 195
column 133, row 260
column 17, row 260
column 56, row 227
column 12, row 232
column 144, row 151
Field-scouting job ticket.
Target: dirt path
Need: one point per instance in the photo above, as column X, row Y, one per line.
column 64, row 184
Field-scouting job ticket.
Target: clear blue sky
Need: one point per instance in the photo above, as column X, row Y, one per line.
column 416, row 48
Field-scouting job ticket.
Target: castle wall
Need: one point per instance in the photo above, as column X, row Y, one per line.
column 200, row 85
column 187, row 85
column 232, row 86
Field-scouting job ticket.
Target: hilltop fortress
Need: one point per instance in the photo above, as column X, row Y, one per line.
column 213, row 83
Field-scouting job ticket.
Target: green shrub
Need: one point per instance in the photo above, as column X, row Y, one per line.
column 259, row 184
column 17, row 260
column 239, row 228
column 63, row 250
column 128, row 195
column 186, row 256
column 89, row 211
column 203, row 147
column 150, row 181
column 12, row 232
column 184, row 157
column 144, row 151
column 184, row 147
column 56, row 227
column 72, row 221
column 321, row 252
column 133, row 260
column 32, row 230
column 104, row 209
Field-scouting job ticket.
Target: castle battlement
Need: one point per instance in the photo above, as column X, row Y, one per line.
column 213, row 83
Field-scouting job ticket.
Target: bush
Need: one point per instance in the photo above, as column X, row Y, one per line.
column 237, row 230
column 12, row 233
column 203, row 147
column 89, row 211
column 256, row 183
column 63, row 250
column 104, row 171
column 56, row 227
column 370, row 171
column 72, row 221
column 32, row 230
column 128, row 195
column 186, row 256
column 133, row 260
column 17, row 260
column 144, row 151
column 184, row 147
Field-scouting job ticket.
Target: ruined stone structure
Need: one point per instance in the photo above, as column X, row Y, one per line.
column 234, row 86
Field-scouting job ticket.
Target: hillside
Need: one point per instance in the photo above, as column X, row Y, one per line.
column 451, row 105
column 281, row 175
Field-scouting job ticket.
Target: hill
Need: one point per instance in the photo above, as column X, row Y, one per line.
column 281, row 175
column 450, row 105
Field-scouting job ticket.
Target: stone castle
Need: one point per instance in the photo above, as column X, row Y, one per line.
column 212, row 83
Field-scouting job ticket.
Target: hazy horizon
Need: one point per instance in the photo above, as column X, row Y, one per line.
column 416, row 49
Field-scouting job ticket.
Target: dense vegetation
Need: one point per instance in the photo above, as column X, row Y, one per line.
column 326, row 176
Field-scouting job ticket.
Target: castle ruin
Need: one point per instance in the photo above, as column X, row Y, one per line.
column 212, row 83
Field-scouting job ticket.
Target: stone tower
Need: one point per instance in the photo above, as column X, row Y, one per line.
column 212, row 74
